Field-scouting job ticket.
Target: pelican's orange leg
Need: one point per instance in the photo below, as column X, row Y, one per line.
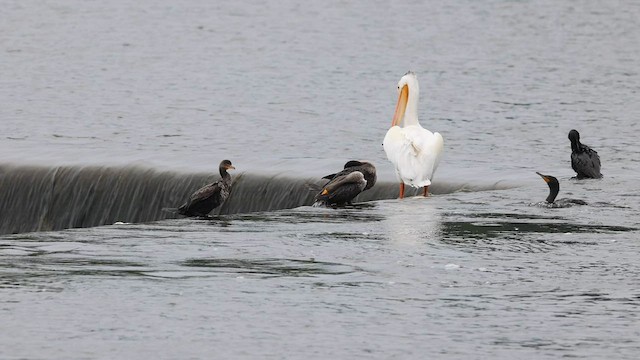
column 425, row 191
column 401, row 190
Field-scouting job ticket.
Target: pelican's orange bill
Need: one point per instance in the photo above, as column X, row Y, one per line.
column 401, row 107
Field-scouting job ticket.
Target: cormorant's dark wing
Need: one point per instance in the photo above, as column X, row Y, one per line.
column 344, row 194
column 200, row 195
column 367, row 169
column 339, row 174
column 350, row 165
column 343, row 188
column 205, row 192
column 586, row 163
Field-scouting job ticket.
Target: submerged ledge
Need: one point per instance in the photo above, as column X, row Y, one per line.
column 41, row 198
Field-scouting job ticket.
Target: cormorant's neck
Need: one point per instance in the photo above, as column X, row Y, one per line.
column 554, row 188
column 223, row 173
column 575, row 145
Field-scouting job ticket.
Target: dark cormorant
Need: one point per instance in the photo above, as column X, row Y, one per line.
column 341, row 189
column 209, row 196
column 356, row 177
column 584, row 160
column 366, row 168
column 554, row 188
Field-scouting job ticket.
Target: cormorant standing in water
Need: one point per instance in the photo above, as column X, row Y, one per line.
column 341, row 190
column 342, row 187
column 366, row 168
column 584, row 160
column 554, row 188
column 209, row 196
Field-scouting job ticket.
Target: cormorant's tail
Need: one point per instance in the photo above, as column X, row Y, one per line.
column 182, row 210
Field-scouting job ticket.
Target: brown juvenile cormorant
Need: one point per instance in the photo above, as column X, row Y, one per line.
column 343, row 186
column 584, row 160
column 554, row 188
column 366, row 168
column 341, row 189
column 209, row 196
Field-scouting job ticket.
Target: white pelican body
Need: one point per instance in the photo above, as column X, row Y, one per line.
column 414, row 151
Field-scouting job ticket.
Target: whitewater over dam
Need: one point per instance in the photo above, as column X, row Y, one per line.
column 38, row 198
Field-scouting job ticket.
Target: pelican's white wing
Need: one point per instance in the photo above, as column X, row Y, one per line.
column 415, row 152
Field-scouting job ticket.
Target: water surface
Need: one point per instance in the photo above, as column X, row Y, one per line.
column 296, row 90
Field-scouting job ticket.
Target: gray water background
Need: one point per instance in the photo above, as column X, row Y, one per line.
column 297, row 89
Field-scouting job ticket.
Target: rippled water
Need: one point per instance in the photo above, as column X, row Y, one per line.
column 297, row 89
column 454, row 276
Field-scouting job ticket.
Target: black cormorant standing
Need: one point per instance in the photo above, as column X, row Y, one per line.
column 209, row 196
column 584, row 160
column 341, row 190
column 366, row 168
column 345, row 185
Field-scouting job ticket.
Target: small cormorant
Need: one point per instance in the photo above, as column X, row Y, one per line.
column 584, row 160
column 366, row 168
column 554, row 188
column 341, row 189
column 356, row 177
column 209, row 196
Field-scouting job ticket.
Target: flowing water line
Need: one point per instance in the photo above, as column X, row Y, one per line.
column 40, row 198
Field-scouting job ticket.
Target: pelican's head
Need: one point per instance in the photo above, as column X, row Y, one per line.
column 408, row 90
column 410, row 80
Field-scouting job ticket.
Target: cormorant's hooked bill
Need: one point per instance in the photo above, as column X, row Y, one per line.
column 554, row 188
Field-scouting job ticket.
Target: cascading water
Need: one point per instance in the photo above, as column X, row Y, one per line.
column 36, row 198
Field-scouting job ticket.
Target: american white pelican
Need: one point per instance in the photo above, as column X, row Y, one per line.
column 413, row 150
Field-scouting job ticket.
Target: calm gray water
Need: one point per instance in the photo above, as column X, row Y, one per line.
column 297, row 89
